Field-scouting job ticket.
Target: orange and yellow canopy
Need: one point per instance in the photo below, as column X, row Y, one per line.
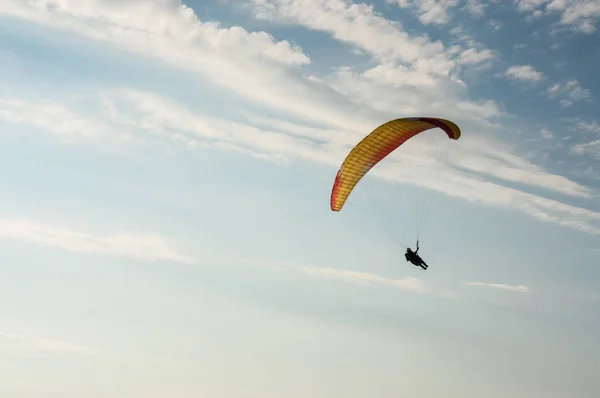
column 376, row 146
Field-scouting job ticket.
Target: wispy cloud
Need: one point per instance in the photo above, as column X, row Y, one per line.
column 587, row 148
column 432, row 12
column 588, row 127
column 372, row 32
column 255, row 66
column 569, row 93
column 578, row 15
column 501, row 286
column 439, row 12
column 165, row 118
column 402, row 60
column 476, row 7
column 71, row 126
column 410, row 73
column 252, row 64
column 588, row 133
column 495, row 24
column 409, row 283
column 22, row 343
column 147, row 247
column 524, row 73
column 474, row 56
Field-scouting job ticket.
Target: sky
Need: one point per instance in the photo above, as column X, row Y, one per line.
column 165, row 173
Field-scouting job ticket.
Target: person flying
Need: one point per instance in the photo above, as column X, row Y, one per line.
column 414, row 258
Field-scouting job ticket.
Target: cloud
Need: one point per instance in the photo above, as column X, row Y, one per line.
column 146, row 247
column 579, row 15
column 495, row 24
column 571, row 92
column 438, row 12
column 553, row 89
column 474, row 56
column 403, row 60
column 501, row 286
column 588, row 127
column 477, row 9
column 252, row 64
column 588, row 133
column 163, row 116
column 524, row 73
column 546, row 134
column 409, row 283
column 151, row 115
column 587, row 148
column 432, row 12
column 370, row 31
column 70, row 126
column 255, row 66
column 410, row 73
column 22, row 343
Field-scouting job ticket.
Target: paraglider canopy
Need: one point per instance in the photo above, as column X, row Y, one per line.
column 376, row 146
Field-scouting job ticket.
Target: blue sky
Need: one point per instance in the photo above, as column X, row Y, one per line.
column 166, row 169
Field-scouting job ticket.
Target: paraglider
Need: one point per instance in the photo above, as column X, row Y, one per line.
column 414, row 258
column 375, row 147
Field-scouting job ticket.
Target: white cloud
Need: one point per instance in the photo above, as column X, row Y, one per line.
column 357, row 24
column 167, row 118
column 474, row 56
column 588, row 141
column 587, row 148
column 70, row 126
column 571, row 91
column 495, row 24
column 251, row 64
column 477, row 8
column 555, row 88
column 438, row 12
column 147, row 247
column 433, row 12
column 501, row 286
column 412, row 73
column 524, row 73
column 163, row 118
column 576, row 92
column 161, row 115
column 579, row 15
column 588, row 127
column 408, row 283
column 462, row 35
column 21, row 343
column 414, row 60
